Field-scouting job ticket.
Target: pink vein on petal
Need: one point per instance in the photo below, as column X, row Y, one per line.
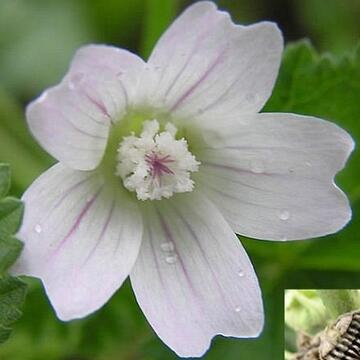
column 64, row 196
column 203, row 253
column 99, row 105
column 170, row 238
column 126, row 95
column 53, row 134
column 192, row 88
column 102, row 233
column 228, row 90
column 75, row 226
column 151, row 240
column 235, row 169
column 193, row 52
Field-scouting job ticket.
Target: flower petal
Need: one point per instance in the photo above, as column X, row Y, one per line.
column 99, row 59
column 272, row 175
column 193, row 279
column 207, row 66
column 80, row 238
column 72, row 120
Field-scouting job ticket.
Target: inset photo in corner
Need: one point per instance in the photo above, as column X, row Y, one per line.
column 322, row 324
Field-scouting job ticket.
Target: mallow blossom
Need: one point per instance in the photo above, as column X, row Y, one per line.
column 161, row 163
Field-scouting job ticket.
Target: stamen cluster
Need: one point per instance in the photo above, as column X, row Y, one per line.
column 156, row 165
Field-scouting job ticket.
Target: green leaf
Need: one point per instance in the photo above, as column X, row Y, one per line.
column 12, row 295
column 10, row 249
column 4, row 333
column 11, row 211
column 12, row 290
column 4, row 180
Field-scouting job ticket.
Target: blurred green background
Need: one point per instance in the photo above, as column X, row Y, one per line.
column 37, row 41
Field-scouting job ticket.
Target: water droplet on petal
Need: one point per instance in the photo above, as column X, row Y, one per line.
column 38, row 228
column 75, row 80
column 257, row 166
column 167, row 246
column 241, row 273
column 171, row 259
column 238, row 309
column 284, row 215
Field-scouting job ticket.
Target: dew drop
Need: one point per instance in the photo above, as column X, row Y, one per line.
column 89, row 198
column 171, row 259
column 167, row 246
column 237, row 309
column 38, row 228
column 75, row 79
column 257, row 166
column 241, row 273
column 284, row 215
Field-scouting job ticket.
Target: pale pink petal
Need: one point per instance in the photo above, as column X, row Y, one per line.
column 206, row 66
column 193, row 279
column 81, row 239
column 98, row 59
column 272, row 175
column 72, row 120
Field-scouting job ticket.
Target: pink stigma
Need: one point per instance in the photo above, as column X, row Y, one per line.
column 158, row 165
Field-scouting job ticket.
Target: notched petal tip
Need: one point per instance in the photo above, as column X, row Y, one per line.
column 220, row 291
column 280, row 155
column 272, row 34
column 202, row 6
column 349, row 143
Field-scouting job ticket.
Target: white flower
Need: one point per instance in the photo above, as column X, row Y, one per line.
column 160, row 163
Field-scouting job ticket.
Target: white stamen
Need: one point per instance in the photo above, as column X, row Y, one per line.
column 156, row 165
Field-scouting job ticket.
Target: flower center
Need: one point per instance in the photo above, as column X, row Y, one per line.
column 156, row 165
